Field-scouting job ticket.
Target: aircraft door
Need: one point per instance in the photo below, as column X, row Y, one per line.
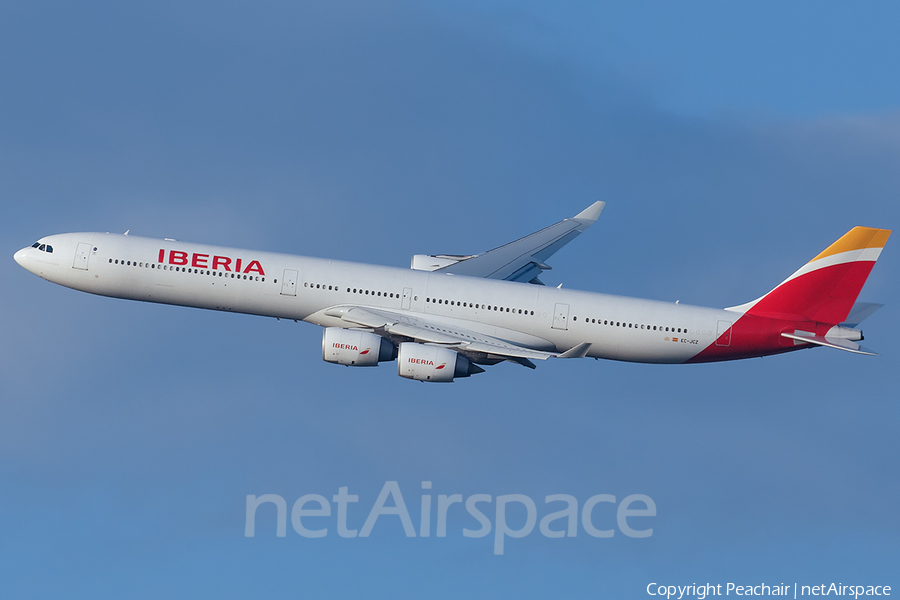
column 289, row 283
column 723, row 334
column 561, row 316
column 82, row 254
column 407, row 295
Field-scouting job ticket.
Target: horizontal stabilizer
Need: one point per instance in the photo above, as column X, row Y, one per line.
column 860, row 312
column 836, row 343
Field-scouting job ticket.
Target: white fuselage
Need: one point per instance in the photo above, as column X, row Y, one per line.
column 301, row 288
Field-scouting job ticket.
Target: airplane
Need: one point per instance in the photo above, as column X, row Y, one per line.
column 449, row 315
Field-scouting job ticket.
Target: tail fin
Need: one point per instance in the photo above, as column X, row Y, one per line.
column 825, row 288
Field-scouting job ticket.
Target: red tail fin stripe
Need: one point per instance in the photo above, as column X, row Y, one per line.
column 866, row 254
column 823, row 295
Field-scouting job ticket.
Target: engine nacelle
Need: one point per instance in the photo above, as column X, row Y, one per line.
column 355, row 348
column 433, row 363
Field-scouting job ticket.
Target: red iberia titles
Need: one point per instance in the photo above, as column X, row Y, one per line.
column 206, row 261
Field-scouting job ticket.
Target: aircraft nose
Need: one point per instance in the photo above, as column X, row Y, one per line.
column 20, row 257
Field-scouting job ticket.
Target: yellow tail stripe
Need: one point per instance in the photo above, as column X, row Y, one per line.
column 857, row 238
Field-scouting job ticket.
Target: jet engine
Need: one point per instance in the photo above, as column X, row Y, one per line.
column 433, row 363
column 355, row 348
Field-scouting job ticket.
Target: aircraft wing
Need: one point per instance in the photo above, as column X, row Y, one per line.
column 521, row 260
column 477, row 346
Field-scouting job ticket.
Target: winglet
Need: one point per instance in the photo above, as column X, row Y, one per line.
column 591, row 213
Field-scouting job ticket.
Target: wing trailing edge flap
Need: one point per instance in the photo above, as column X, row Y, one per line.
column 829, row 342
column 451, row 336
column 522, row 260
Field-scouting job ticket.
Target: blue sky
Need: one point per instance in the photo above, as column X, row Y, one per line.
column 731, row 143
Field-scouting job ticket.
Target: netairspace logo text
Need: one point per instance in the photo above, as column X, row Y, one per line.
column 703, row 591
column 309, row 510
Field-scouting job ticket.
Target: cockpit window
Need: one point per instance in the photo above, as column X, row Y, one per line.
column 35, row 245
column 42, row 248
column 49, row 248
